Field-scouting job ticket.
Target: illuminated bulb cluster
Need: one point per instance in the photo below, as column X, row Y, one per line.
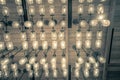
column 88, row 39
column 78, row 39
column 64, row 66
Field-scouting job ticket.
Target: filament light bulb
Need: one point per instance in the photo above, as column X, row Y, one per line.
column 25, row 45
column 45, row 45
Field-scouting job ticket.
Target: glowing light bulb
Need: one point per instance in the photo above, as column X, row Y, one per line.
column 43, row 61
column 39, row 1
column 53, row 60
column 20, row 10
column 28, row 24
column 52, row 10
column 3, row 2
column 88, row 44
column 25, row 45
column 77, row 66
column 99, row 34
column 54, row 44
column 28, row 67
column 101, row 17
column 15, row 24
column 42, row 36
column 40, row 23
column 2, row 46
column 96, row 65
column 87, row 65
column 83, row 23
column 42, row 10
column 4, row 67
column 96, row 72
column 63, row 23
column 91, row 9
column 101, row 59
column 63, row 44
column 51, row 23
column 45, row 45
column 5, row 11
column 55, row 73
column 63, row 61
column 94, row 23
column 32, row 60
column 100, row 9
column 78, row 44
column 91, row 59
column 30, row 2
column 77, row 74
column 22, row 61
column 36, row 66
column 64, row 10
column 80, row 60
column 30, row 73
column 98, row 43
column 45, row 66
column 54, row 35
column 65, row 72
column 14, row 67
column 31, row 10
column 78, row 35
column 89, row 35
column 23, row 36
column 80, row 9
column 81, row 1
column 33, row 36
column 106, row 23
column 53, row 66
column 63, row 66
column 7, row 37
column 10, row 45
column 35, row 45
column 50, row 1
column 61, row 35
column 18, row 2
column 63, row 1
column 1, row 25
column 46, row 73
column 86, row 73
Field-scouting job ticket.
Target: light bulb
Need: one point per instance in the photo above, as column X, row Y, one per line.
column 54, row 35
column 6, row 73
column 65, row 72
column 63, row 44
column 18, row 2
column 87, row 65
column 96, row 65
column 63, row 23
column 42, row 10
column 98, row 43
column 30, row 2
column 96, row 72
column 31, row 10
column 78, row 44
column 86, row 73
column 4, row 67
column 43, row 61
column 28, row 24
column 77, row 73
column 5, row 61
column 7, row 37
column 45, row 66
column 35, row 45
column 99, row 34
column 91, row 59
column 77, row 66
column 53, row 66
column 53, row 60
column 14, row 67
column 94, row 23
column 51, row 23
column 22, row 61
column 5, row 11
column 101, row 17
column 20, row 10
column 83, row 23
column 32, row 60
column 39, row 1
column 63, row 66
column 80, row 9
column 55, row 73
column 33, row 36
column 54, row 44
column 100, row 9
column 80, row 60
column 45, row 45
column 87, row 43
column 40, row 23
column 36, row 73
column 61, row 35
column 36, row 66
column 2, row 46
column 64, row 10
column 10, row 45
column 52, row 10
column 50, row 1
column 106, row 23
column 3, row 2
column 63, row 1
column 30, row 73
column 42, row 36
column 1, row 25
column 46, row 73
column 78, row 35
column 25, row 45
column 91, row 9
column 101, row 59
column 15, row 24
column 81, row 1
column 23, row 36
column 63, row 60
column 28, row 67
column 89, row 35
column 89, row 1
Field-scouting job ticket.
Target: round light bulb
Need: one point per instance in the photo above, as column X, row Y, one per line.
column 28, row 67
column 80, row 60
column 91, row 9
column 65, row 72
column 35, row 45
column 80, row 9
column 42, row 36
column 42, row 10
column 36, row 66
column 43, row 61
column 51, row 23
column 78, row 44
column 94, row 23
column 89, row 35
column 99, row 34
column 91, row 59
column 63, row 23
column 64, row 10
column 25, row 45
column 101, row 59
column 106, row 23
column 53, row 60
column 100, row 9
column 40, row 23
column 18, row 2
column 55, row 73
column 87, row 44
column 77, row 73
column 31, row 10
column 86, row 73
column 89, row 1
column 1, row 25
column 87, row 65
column 61, row 35
column 3, row 2
column 45, row 66
column 15, row 24
column 63, row 60
column 52, row 10
column 101, row 17
column 78, row 35
column 33, row 36
column 2, row 46
column 20, row 10
column 45, row 45
column 22, row 61
column 28, row 24
column 96, row 65
column 32, row 60
column 83, row 23
column 63, row 1
column 14, row 67
column 23, row 36
column 96, row 72
column 5, row 11
column 10, row 45
column 63, row 44
column 98, row 43
column 7, row 37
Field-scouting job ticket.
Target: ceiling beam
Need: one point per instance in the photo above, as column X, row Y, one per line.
column 69, row 13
